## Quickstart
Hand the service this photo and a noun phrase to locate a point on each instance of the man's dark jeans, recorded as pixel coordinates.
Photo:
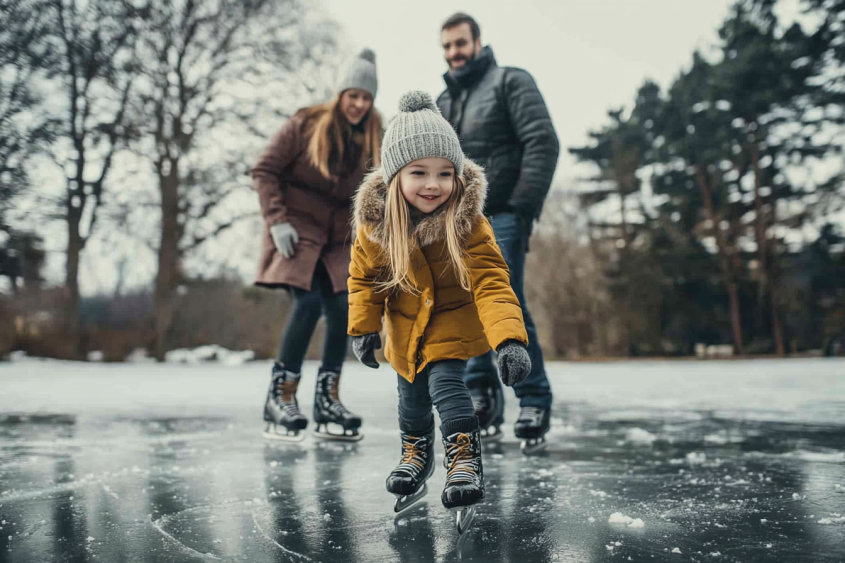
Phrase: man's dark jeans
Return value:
(512, 236)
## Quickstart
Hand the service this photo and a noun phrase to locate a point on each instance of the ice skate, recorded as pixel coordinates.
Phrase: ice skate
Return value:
(281, 411)
(328, 410)
(464, 477)
(408, 481)
(489, 405)
(531, 427)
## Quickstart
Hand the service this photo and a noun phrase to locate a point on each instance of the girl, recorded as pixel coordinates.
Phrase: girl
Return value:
(305, 180)
(425, 260)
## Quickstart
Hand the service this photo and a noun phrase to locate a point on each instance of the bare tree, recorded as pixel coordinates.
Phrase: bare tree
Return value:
(95, 67)
(24, 127)
(209, 65)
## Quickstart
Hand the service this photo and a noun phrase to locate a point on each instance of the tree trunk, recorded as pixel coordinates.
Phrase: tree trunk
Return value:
(760, 235)
(724, 262)
(777, 327)
(767, 284)
(169, 254)
(75, 244)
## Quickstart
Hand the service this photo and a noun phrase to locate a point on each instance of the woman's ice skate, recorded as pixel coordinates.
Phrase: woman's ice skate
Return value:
(281, 411)
(328, 410)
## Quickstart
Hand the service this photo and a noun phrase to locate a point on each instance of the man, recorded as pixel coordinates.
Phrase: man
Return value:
(502, 121)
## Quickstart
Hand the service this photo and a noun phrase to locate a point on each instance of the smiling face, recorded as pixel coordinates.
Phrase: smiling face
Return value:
(458, 45)
(427, 183)
(355, 104)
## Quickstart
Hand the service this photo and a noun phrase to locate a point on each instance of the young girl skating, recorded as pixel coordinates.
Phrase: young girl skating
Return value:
(425, 263)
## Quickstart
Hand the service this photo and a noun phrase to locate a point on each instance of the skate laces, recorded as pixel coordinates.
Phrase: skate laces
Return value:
(534, 415)
(462, 462)
(328, 380)
(286, 396)
(412, 454)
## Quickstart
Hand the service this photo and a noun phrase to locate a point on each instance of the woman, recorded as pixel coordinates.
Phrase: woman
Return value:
(305, 180)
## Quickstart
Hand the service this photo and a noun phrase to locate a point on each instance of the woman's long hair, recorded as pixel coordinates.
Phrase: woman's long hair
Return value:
(400, 242)
(332, 133)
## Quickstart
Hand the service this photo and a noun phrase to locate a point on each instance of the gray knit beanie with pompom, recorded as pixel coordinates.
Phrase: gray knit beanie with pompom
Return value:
(361, 74)
(419, 131)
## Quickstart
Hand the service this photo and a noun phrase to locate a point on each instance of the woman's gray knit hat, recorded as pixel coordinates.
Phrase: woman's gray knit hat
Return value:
(419, 131)
(361, 74)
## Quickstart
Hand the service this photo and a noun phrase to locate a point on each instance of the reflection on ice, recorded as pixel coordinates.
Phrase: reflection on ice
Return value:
(164, 474)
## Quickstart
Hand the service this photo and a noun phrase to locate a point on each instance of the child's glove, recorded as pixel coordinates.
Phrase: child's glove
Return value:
(364, 348)
(514, 362)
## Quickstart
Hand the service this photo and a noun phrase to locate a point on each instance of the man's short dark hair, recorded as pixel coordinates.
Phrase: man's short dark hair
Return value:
(462, 18)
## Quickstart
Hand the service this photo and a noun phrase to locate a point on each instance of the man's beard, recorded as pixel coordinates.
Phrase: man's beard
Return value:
(460, 58)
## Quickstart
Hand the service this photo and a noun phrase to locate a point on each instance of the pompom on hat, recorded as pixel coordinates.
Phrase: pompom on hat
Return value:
(418, 131)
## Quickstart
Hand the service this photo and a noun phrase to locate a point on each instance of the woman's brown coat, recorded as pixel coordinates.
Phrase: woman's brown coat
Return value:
(291, 189)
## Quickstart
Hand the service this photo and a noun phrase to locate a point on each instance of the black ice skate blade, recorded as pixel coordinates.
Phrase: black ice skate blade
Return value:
(291, 436)
(347, 436)
(406, 503)
(464, 517)
(533, 446)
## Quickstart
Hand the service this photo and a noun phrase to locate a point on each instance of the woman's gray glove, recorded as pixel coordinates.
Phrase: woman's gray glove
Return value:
(285, 238)
(514, 362)
(364, 348)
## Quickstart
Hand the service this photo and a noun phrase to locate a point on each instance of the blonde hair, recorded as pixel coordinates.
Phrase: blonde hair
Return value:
(332, 132)
(401, 243)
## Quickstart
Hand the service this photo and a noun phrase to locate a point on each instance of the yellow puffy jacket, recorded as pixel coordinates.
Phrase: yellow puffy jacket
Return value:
(444, 321)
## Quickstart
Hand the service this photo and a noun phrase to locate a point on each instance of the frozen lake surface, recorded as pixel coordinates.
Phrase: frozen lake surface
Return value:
(648, 461)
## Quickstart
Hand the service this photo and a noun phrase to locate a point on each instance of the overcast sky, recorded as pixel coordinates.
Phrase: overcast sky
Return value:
(587, 55)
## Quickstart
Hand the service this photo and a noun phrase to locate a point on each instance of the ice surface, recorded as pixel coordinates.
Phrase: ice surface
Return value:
(168, 460)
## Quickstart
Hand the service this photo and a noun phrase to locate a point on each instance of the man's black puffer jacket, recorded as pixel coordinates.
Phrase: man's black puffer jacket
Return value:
(503, 124)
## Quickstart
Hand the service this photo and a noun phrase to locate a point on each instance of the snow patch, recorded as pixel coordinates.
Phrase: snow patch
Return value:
(96, 356)
(627, 521)
(210, 353)
(139, 356)
(830, 521)
(696, 458)
(619, 518)
(722, 438)
(640, 436)
(821, 457)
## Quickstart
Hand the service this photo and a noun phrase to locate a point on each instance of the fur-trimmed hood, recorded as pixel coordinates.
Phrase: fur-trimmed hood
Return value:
(369, 203)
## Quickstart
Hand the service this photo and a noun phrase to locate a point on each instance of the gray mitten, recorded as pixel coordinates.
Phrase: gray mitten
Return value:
(285, 238)
(514, 362)
(364, 348)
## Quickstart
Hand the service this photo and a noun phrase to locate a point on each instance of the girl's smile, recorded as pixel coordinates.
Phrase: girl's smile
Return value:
(427, 183)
